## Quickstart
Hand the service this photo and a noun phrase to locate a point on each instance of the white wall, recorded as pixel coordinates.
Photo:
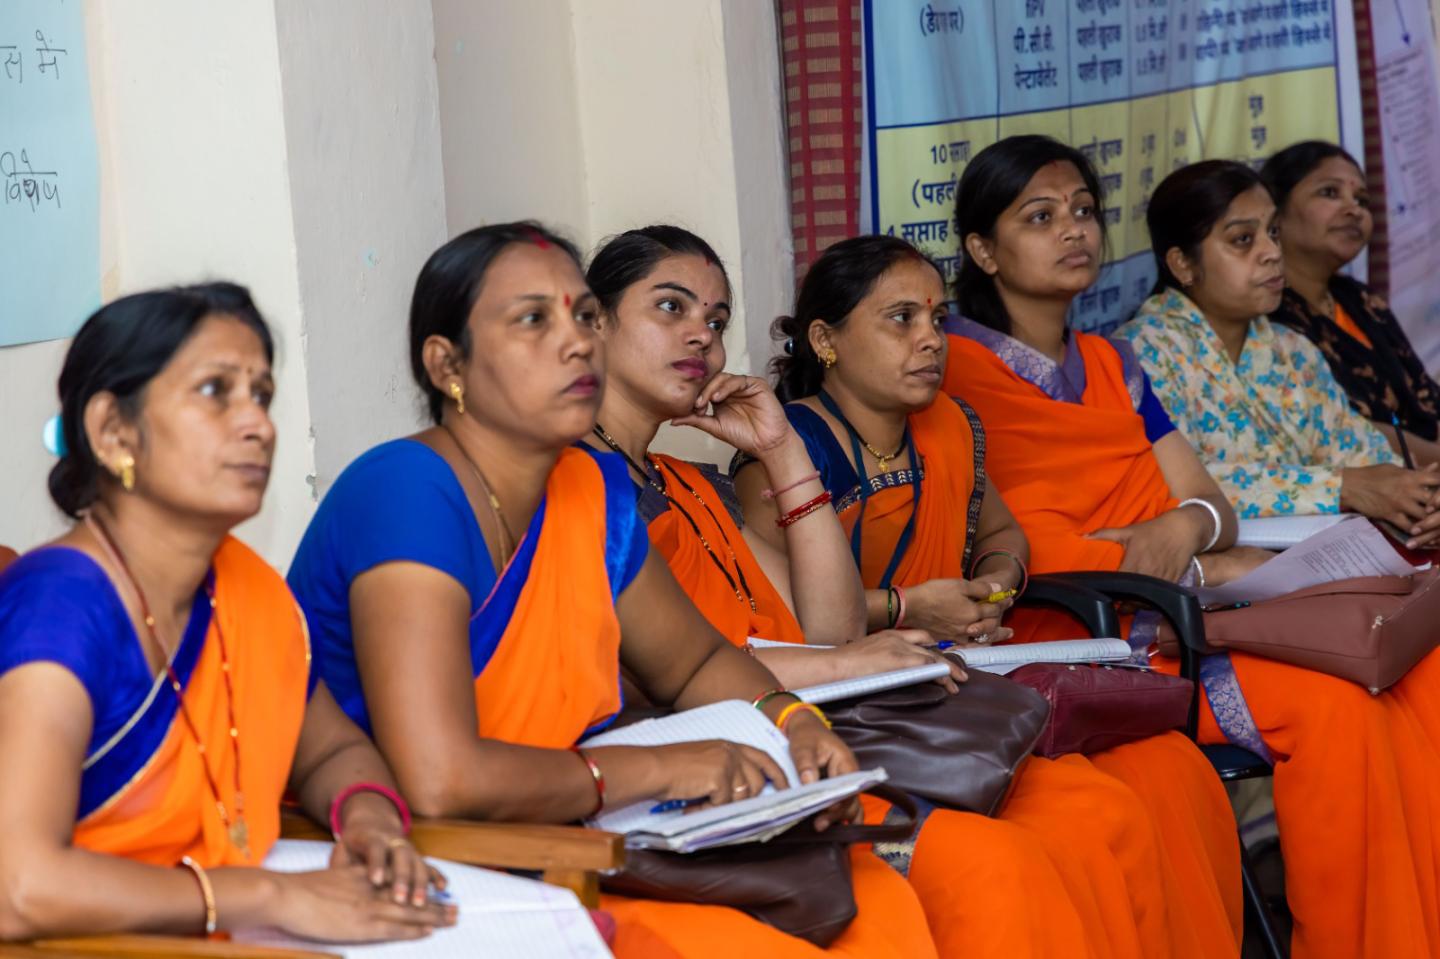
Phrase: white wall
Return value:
(367, 196)
(297, 148)
(509, 107)
(622, 113)
(193, 149)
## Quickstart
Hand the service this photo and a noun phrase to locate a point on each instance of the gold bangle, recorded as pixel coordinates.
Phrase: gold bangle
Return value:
(791, 709)
(206, 890)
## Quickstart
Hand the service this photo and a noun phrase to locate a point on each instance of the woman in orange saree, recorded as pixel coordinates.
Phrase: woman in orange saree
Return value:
(864, 366)
(1353, 776)
(147, 633)
(474, 591)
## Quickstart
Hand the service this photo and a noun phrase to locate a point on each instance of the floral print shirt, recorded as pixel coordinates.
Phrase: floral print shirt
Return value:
(1274, 429)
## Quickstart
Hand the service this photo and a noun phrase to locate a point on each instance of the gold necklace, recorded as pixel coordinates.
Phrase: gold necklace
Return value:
(881, 459)
(238, 830)
(507, 538)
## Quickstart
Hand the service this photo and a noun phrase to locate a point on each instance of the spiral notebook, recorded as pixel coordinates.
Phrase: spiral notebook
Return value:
(1008, 657)
(501, 916)
(873, 683)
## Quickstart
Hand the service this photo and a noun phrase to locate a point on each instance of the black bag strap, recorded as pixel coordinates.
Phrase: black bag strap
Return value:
(977, 493)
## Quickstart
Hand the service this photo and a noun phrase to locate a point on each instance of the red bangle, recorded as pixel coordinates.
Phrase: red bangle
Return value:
(772, 493)
(899, 601)
(596, 775)
(337, 805)
(803, 510)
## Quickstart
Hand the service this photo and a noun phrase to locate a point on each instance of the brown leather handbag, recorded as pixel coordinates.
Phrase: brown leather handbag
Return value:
(1369, 630)
(960, 751)
(799, 882)
(1095, 706)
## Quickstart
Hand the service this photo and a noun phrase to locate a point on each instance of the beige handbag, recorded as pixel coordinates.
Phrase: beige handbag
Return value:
(1369, 630)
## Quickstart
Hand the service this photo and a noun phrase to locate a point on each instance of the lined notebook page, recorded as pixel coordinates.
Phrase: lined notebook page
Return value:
(758, 643)
(1282, 532)
(874, 683)
(501, 916)
(1010, 656)
(731, 719)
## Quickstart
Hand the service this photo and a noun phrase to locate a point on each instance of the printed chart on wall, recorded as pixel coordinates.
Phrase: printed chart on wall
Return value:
(49, 173)
(1140, 86)
(1405, 74)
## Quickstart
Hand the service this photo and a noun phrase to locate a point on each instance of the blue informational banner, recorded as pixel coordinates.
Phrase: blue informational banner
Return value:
(1141, 86)
(49, 173)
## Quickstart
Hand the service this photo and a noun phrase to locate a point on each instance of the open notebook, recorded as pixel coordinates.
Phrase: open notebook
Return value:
(501, 916)
(749, 820)
(1008, 657)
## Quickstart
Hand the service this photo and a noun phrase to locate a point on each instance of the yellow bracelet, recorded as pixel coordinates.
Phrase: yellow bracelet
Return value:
(207, 891)
(790, 710)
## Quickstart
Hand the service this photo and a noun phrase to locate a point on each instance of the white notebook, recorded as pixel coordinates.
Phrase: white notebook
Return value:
(1282, 532)
(874, 683)
(1008, 657)
(501, 916)
(749, 820)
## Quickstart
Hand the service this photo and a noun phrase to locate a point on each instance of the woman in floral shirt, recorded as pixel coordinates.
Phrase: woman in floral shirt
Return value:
(1257, 400)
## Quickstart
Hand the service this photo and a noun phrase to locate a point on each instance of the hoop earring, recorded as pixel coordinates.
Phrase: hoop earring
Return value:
(457, 391)
(830, 359)
(126, 473)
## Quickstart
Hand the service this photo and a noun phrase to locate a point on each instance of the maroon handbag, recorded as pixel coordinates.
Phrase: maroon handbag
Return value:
(1094, 706)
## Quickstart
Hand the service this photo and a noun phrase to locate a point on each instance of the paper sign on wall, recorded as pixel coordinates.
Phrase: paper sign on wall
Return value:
(49, 173)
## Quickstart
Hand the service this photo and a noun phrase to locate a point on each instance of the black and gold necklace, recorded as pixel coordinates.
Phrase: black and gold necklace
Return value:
(737, 581)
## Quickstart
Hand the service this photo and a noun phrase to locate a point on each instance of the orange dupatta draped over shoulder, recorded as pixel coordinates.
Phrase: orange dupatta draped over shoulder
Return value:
(1355, 777)
(163, 809)
(695, 571)
(551, 676)
(946, 443)
(1113, 878)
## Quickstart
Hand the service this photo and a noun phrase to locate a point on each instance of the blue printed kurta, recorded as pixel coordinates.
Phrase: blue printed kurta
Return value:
(1274, 429)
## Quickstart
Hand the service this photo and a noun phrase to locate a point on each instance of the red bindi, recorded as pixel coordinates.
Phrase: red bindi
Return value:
(927, 301)
(567, 299)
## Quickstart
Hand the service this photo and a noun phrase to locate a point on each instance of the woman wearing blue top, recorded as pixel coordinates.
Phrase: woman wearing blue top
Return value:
(474, 590)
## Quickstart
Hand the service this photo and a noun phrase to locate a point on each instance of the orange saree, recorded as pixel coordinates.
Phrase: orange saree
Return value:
(1355, 774)
(551, 617)
(1093, 852)
(144, 794)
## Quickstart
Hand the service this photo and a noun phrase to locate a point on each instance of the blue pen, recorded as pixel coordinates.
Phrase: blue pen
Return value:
(1400, 437)
(670, 805)
(944, 644)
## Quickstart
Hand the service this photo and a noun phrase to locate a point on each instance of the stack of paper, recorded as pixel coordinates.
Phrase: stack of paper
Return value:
(501, 916)
(749, 820)
(1009, 657)
(1348, 549)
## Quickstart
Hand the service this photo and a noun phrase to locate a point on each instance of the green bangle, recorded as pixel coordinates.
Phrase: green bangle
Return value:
(765, 697)
(890, 607)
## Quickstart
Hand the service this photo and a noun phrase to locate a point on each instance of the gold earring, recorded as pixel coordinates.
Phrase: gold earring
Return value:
(457, 391)
(830, 359)
(126, 472)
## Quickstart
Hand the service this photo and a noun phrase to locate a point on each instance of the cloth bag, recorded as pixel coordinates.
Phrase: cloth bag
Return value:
(799, 882)
(1095, 706)
(960, 751)
(1369, 630)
